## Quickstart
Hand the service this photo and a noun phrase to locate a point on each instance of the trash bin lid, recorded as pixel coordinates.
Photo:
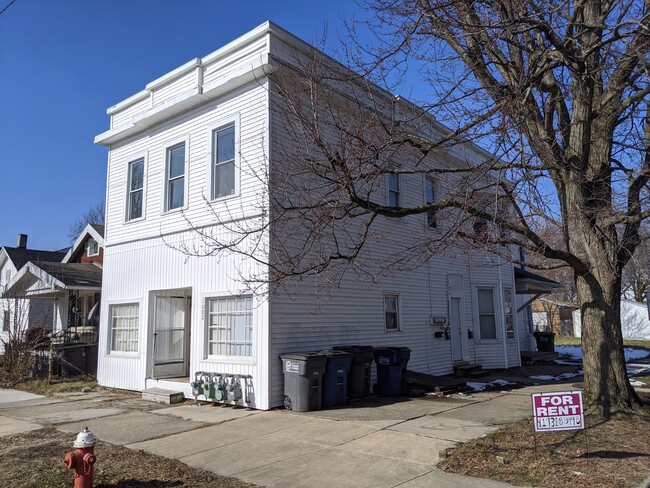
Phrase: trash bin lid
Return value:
(302, 356)
(336, 352)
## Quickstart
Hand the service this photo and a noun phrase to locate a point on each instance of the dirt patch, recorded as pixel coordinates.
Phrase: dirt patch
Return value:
(117, 467)
(613, 454)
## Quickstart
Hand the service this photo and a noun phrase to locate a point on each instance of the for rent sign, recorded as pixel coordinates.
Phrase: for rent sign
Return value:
(558, 411)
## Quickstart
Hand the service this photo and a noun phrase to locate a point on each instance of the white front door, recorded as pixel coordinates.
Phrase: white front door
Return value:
(170, 336)
(456, 328)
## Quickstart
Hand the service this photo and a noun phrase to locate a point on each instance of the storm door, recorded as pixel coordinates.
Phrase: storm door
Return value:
(171, 335)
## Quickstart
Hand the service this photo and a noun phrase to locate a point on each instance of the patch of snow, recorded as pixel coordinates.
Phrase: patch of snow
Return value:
(563, 376)
(575, 352)
(637, 383)
(569, 363)
(478, 386)
(636, 369)
(634, 353)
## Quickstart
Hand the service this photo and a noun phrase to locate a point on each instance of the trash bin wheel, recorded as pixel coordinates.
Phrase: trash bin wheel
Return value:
(287, 403)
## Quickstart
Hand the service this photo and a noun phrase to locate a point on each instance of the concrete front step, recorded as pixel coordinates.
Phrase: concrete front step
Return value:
(160, 395)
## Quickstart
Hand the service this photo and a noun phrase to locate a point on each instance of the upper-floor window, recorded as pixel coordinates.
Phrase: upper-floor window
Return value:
(487, 318)
(175, 177)
(135, 201)
(223, 162)
(93, 247)
(393, 189)
(429, 198)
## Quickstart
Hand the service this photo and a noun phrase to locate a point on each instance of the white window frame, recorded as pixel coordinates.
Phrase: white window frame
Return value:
(206, 299)
(93, 248)
(223, 123)
(144, 156)
(430, 182)
(185, 140)
(109, 346)
(495, 312)
(398, 314)
(510, 333)
(389, 191)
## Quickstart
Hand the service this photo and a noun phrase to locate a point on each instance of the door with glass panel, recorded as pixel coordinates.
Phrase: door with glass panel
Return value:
(171, 335)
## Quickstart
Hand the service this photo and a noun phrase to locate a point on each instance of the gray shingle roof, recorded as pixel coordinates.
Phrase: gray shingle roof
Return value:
(74, 275)
(20, 256)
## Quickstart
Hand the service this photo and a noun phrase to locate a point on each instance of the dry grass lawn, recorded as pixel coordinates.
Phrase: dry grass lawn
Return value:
(117, 467)
(613, 454)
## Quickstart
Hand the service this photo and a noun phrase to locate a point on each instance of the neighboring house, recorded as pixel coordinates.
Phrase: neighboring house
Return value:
(16, 313)
(635, 324)
(69, 287)
(556, 316)
(192, 145)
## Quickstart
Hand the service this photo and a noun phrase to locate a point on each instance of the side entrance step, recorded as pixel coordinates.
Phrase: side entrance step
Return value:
(531, 357)
(160, 395)
(465, 370)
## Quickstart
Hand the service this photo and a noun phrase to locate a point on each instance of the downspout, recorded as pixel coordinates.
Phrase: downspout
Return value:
(503, 315)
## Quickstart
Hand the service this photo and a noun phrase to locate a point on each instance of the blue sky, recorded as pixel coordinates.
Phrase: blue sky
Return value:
(64, 62)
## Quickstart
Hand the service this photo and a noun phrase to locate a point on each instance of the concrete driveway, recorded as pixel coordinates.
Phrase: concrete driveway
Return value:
(375, 442)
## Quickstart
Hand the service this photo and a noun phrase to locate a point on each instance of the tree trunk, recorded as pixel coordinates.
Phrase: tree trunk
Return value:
(606, 388)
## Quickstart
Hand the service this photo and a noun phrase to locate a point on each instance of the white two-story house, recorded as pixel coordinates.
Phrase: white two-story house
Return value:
(191, 159)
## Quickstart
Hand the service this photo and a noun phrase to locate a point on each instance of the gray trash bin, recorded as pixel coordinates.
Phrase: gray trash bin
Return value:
(303, 380)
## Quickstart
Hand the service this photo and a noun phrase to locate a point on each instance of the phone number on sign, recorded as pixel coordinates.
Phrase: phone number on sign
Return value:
(571, 422)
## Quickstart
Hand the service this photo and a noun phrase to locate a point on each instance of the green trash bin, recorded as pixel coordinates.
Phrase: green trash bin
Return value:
(303, 380)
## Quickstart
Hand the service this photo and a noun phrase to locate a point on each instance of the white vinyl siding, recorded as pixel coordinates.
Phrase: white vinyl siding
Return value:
(486, 313)
(135, 198)
(230, 326)
(124, 327)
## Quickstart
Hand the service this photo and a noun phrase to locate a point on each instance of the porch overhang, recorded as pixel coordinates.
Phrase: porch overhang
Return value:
(52, 280)
(527, 283)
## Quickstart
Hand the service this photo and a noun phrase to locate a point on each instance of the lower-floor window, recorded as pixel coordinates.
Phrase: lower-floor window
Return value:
(230, 326)
(6, 321)
(391, 312)
(486, 313)
(124, 327)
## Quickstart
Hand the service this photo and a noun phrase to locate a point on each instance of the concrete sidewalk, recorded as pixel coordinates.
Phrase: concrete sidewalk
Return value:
(376, 442)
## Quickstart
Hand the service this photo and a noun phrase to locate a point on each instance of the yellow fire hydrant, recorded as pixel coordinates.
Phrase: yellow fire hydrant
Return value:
(82, 459)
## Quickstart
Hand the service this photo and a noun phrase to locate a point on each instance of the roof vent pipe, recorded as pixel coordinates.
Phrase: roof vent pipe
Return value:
(22, 241)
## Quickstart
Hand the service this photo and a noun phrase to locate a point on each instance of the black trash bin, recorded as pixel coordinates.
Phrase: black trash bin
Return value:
(545, 341)
(335, 380)
(303, 380)
(391, 370)
(360, 370)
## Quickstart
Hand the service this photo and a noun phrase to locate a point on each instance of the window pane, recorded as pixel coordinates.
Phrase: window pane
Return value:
(488, 327)
(225, 144)
(391, 312)
(485, 301)
(224, 180)
(124, 327)
(176, 193)
(393, 182)
(176, 162)
(135, 205)
(137, 174)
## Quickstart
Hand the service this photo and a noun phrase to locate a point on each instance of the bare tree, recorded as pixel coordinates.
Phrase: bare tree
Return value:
(94, 215)
(558, 91)
(636, 273)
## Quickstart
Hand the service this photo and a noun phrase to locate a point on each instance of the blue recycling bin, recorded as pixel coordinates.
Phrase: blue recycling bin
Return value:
(391, 370)
(335, 379)
(360, 370)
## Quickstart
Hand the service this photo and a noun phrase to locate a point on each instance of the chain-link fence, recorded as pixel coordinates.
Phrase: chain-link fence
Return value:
(65, 360)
